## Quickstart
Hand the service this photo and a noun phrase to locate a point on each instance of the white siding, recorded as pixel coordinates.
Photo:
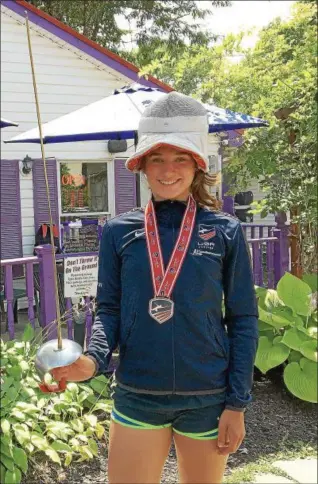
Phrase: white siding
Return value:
(258, 195)
(67, 79)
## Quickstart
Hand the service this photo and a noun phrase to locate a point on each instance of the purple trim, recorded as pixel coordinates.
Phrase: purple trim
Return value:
(47, 290)
(8, 284)
(14, 164)
(30, 292)
(69, 317)
(74, 254)
(79, 44)
(124, 199)
(20, 260)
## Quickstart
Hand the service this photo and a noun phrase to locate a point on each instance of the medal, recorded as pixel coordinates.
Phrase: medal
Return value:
(161, 307)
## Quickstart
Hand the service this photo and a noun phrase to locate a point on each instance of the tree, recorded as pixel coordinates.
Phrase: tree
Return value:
(276, 81)
(154, 20)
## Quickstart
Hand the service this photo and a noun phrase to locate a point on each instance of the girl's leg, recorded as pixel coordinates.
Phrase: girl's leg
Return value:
(198, 460)
(137, 456)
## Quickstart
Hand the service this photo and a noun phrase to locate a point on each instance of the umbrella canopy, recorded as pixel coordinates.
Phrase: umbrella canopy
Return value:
(5, 122)
(117, 117)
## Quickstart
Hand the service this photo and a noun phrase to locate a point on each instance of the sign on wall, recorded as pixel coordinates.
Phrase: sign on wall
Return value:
(80, 276)
(81, 239)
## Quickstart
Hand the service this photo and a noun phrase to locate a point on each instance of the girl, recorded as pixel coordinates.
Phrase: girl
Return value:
(186, 365)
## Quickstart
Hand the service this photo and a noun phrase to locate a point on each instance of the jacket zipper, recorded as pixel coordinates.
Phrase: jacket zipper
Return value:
(172, 328)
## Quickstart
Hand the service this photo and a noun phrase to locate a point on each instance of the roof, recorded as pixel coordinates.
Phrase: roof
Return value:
(69, 35)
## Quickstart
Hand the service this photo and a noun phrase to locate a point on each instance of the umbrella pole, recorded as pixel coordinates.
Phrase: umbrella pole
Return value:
(58, 315)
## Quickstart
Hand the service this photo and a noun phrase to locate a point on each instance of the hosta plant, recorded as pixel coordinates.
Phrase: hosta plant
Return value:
(288, 333)
(64, 426)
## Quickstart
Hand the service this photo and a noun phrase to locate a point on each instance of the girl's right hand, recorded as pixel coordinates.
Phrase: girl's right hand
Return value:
(81, 370)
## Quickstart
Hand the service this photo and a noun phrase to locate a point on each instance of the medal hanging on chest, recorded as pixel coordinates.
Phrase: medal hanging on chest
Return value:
(161, 307)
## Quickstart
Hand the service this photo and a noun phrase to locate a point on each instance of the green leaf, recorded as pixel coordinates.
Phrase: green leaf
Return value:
(309, 350)
(294, 356)
(39, 441)
(22, 433)
(295, 294)
(7, 462)
(20, 459)
(24, 366)
(77, 425)
(68, 459)
(99, 387)
(301, 380)
(104, 405)
(270, 353)
(5, 426)
(27, 408)
(86, 453)
(73, 388)
(60, 446)
(13, 477)
(53, 455)
(19, 415)
(262, 326)
(15, 371)
(99, 430)
(312, 281)
(60, 429)
(6, 449)
(91, 419)
(82, 437)
(93, 447)
(8, 381)
(28, 333)
(2, 473)
(29, 447)
(293, 338)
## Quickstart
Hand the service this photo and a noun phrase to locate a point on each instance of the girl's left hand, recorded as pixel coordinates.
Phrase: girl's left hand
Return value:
(231, 431)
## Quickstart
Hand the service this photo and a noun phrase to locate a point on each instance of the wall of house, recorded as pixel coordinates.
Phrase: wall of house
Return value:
(67, 79)
(258, 195)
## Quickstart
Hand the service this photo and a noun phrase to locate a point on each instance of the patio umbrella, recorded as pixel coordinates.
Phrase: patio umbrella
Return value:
(117, 117)
(5, 122)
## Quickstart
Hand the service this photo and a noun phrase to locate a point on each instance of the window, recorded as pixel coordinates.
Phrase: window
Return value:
(84, 205)
(84, 188)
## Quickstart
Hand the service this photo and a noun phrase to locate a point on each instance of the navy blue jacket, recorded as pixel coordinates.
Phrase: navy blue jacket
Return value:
(201, 349)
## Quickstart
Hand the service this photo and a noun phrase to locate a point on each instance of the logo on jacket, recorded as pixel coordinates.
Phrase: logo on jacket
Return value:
(206, 232)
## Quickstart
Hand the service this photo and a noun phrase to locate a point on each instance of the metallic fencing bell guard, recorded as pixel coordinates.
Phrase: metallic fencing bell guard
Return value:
(49, 356)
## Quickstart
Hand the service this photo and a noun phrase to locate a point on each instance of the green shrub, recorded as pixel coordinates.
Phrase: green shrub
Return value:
(288, 333)
(63, 426)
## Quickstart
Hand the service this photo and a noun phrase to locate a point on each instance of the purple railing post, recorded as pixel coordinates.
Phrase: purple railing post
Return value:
(30, 292)
(47, 290)
(281, 248)
(8, 284)
(270, 264)
(69, 317)
(257, 263)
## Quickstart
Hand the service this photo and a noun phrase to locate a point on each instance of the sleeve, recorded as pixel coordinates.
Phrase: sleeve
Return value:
(241, 319)
(105, 329)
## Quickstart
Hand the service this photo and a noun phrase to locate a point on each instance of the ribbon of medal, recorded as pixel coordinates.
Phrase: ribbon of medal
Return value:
(161, 307)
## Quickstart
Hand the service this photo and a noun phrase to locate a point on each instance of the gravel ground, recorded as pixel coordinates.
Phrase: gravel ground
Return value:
(274, 420)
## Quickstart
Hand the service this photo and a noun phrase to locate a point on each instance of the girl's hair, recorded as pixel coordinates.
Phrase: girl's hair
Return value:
(200, 190)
